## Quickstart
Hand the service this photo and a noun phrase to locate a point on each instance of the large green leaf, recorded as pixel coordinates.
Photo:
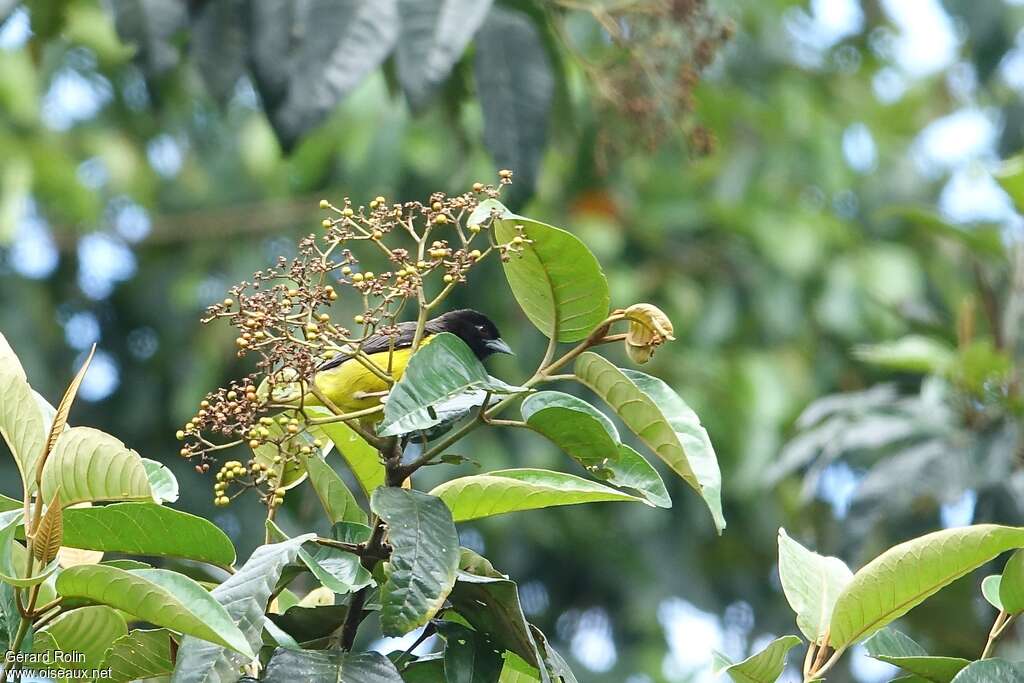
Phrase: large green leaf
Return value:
(90, 465)
(424, 557)
(517, 670)
(575, 426)
(12, 555)
(244, 596)
(218, 45)
(991, 671)
(591, 439)
(362, 458)
(763, 667)
(491, 605)
(469, 656)
(501, 491)
(7, 504)
(87, 630)
(161, 597)
(1011, 587)
(307, 56)
(334, 495)
(22, 423)
(139, 654)
(432, 37)
(438, 371)
(147, 529)
(288, 666)
(515, 86)
(556, 280)
(904, 576)
(663, 422)
(812, 584)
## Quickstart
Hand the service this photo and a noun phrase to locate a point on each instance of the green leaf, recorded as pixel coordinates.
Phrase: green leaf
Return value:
(87, 630)
(218, 45)
(147, 529)
(812, 584)
(288, 666)
(161, 480)
(311, 623)
(591, 439)
(575, 426)
(515, 86)
(556, 280)
(991, 671)
(990, 587)
(469, 656)
(517, 670)
(491, 605)
(889, 642)
(12, 555)
(432, 37)
(1010, 177)
(912, 353)
(334, 495)
(663, 422)
(139, 654)
(22, 423)
(1011, 587)
(764, 667)
(893, 647)
(501, 491)
(89, 465)
(362, 458)
(8, 503)
(424, 557)
(161, 597)
(340, 571)
(555, 664)
(307, 57)
(438, 371)
(632, 471)
(904, 576)
(244, 596)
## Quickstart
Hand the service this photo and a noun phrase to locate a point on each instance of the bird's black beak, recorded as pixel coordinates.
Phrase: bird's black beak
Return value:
(498, 346)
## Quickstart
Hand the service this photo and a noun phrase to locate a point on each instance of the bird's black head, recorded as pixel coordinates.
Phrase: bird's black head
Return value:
(476, 329)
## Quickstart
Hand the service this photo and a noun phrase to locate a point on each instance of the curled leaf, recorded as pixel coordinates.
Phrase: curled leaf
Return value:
(649, 328)
(48, 537)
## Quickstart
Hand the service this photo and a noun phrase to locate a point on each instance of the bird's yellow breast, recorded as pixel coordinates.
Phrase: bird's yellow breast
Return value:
(348, 384)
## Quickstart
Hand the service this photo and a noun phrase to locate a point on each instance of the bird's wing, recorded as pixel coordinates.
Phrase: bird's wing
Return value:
(377, 343)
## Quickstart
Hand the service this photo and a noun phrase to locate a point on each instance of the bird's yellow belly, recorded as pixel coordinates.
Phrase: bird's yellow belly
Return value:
(352, 386)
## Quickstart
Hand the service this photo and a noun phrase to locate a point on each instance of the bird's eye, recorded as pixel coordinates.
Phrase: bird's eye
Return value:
(480, 328)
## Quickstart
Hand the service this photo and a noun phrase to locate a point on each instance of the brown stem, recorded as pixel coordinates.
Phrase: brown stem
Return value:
(1002, 620)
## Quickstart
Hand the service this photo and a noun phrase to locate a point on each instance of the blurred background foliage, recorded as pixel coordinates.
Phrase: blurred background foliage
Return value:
(806, 188)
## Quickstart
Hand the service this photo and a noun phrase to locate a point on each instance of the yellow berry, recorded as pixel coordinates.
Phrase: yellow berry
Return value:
(326, 222)
(359, 319)
(358, 277)
(379, 199)
(179, 435)
(448, 279)
(478, 187)
(324, 204)
(440, 219)
(345, 270)
(475, 254)
(473, 228)
(347, 213)
(436, 206)
(254, 444)
(229, 302)
(517, 240)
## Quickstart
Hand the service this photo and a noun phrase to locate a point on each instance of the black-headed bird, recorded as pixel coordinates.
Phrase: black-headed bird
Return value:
(351, 386)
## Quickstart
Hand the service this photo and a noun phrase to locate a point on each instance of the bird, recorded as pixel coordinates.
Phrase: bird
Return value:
(351, 386)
